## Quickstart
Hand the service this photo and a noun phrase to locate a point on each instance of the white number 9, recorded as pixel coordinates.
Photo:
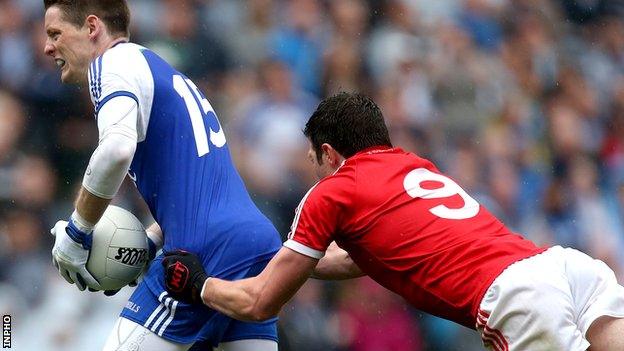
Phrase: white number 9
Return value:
(412, 182)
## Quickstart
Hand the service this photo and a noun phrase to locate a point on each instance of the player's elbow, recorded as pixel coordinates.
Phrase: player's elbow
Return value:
(260, 309)
(122, 154)
(261, 313)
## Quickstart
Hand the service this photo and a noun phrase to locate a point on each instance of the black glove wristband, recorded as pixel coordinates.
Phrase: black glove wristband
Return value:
(184, 276)
(198, 284)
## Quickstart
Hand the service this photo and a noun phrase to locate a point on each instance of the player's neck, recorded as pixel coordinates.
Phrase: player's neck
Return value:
(109, 43)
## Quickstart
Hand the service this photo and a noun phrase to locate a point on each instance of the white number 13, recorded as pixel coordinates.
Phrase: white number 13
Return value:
(184, 87)
(412, 184)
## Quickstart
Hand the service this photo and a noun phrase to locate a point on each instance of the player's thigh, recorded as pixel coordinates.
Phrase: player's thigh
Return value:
(248, 345)
(530, 307)
(597, 295)
(130, 336)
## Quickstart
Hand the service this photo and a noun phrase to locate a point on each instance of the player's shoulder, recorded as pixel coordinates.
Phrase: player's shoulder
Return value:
(337, 187)
(120, 68)
(122, 58)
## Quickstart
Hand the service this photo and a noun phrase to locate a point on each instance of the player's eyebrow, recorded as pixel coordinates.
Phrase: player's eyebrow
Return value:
(51, 31)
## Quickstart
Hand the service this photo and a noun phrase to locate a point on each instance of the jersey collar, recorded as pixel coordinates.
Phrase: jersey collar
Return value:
(119, 42)
(375, 150)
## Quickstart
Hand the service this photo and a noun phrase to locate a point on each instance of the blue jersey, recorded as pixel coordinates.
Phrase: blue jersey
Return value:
(182, 165)
(183, 169)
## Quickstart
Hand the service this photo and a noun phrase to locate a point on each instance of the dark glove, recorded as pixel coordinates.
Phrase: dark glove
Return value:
(184, 276)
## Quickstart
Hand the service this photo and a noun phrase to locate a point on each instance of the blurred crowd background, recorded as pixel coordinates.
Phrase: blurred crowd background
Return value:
(521, 101)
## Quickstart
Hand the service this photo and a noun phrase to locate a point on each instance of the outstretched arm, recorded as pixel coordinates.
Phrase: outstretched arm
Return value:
(336, 265)
(252, 299)
(260, 297)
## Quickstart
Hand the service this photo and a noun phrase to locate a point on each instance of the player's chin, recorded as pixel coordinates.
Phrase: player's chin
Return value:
(65, 76)
(68, 77)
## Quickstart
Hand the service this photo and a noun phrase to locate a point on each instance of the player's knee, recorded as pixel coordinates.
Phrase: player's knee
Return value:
(606, 333)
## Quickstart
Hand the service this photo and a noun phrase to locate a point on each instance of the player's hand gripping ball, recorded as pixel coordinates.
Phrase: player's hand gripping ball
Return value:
(114, 255)
(71, 253)
(184, 276)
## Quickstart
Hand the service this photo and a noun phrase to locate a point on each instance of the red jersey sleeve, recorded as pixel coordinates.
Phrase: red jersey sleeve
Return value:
(317, 218)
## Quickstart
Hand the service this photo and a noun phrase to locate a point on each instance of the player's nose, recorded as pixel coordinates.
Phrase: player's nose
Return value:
(48, 49)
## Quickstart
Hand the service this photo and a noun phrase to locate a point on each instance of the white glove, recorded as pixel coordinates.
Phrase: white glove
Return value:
(70, 254)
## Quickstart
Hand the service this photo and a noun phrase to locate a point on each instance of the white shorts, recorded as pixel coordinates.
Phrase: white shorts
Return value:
(548, 301)
(128, 335)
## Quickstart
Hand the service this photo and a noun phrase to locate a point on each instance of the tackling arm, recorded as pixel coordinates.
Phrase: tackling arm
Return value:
(261, 297)
(336, 265)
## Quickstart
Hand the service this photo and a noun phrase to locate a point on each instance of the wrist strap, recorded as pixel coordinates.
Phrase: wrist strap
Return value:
(79, 230)
(201, 294)
(78, 236)
(81, 224)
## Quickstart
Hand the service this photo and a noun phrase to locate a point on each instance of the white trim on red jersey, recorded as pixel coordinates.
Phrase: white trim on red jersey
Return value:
(304, 250)
(295, 223)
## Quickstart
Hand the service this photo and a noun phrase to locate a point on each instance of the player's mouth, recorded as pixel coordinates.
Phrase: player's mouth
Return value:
(60, 63)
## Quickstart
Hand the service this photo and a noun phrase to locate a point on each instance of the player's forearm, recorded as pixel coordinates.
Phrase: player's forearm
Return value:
(118, 137)
(261, 297)
(109, 165)
(110, 161)
(237, 299)
(103, 178)
(90, 207)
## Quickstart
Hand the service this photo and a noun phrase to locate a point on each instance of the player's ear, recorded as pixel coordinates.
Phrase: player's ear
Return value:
(93, 25)
(333, 157)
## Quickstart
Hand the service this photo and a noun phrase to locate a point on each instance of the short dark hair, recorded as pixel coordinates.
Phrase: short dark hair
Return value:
(114, 13)
(349, 122)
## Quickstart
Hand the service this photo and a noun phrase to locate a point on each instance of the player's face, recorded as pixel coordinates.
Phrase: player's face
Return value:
(69, 45)
(322, 168)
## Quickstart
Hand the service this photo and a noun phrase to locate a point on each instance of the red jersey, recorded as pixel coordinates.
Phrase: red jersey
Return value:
(411, 229)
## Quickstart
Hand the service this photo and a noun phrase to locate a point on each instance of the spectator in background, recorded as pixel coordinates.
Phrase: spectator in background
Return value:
(299, 43)
(12, 124)
(612, 150)
(343, 61)
(34, 183)
(22, 251)
(310, 326)
(187, 45)
(398, 33)
(599, 227)
(480, 19)
(16, 54)
(270, 142)
(364, 328)
(250, 26)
